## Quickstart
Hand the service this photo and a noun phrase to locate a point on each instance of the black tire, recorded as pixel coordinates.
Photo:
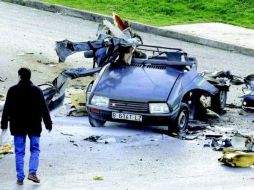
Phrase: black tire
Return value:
(95, 122)
(218, 101)
(181, 122)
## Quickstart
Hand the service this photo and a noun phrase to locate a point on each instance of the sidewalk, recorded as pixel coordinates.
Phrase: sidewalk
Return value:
(220, 32)
(216, 35)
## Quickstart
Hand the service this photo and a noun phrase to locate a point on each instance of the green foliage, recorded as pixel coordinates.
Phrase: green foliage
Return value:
(169, 12)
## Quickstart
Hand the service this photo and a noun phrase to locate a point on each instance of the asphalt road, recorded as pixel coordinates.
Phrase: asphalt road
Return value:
(141, 158)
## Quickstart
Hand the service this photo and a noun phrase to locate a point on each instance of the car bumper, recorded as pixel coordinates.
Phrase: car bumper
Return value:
(105, 114)
(248, 102)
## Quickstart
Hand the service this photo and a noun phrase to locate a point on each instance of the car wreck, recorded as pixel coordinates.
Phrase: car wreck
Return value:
(143, 84)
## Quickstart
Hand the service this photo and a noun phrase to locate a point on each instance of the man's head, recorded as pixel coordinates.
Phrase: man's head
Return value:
(24, 74)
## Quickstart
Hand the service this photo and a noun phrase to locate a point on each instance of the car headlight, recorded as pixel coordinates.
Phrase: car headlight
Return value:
(100, 101)
(158, 108)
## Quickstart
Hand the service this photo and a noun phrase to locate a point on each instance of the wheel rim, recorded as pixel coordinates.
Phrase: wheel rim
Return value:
(222, 98)
(182, 120)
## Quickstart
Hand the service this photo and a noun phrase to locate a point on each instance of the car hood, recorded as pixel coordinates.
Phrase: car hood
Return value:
(137, 83)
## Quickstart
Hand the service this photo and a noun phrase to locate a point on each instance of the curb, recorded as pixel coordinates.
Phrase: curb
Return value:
(136, 26)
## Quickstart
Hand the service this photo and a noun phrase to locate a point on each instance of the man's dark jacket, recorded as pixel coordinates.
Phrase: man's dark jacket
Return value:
(24, 108)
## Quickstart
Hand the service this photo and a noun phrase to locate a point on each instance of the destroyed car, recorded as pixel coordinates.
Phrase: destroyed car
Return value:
(143, 84)
(162, 89)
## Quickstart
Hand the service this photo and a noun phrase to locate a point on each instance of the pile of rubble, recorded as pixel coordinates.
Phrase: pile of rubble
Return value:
(237, 149)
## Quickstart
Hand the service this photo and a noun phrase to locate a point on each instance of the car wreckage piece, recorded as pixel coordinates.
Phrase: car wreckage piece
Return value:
(103, 50)
(237, 158)
(136, 87)
(248, 97)
(226, 79)
(54, 92)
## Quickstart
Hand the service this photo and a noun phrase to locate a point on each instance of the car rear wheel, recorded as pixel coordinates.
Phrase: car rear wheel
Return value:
(218, 101)
(181, 122)
(95, 122)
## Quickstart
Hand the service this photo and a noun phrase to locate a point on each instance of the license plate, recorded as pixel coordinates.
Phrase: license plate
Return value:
(127, 116)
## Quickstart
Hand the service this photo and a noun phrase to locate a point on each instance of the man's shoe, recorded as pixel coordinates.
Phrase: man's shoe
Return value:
(33, 178)
(20, 182)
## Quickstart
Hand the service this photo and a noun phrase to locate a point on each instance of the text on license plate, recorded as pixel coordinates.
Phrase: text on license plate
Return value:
(126, 116)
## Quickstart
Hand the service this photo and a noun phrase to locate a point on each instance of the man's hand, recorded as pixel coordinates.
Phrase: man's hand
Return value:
(49, 128)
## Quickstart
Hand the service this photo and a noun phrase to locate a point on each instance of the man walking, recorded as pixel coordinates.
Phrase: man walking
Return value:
(24, 108)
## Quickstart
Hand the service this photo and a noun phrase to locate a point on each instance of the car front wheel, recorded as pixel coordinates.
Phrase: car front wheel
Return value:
(218, 101)
(95, 122)
(181, 122)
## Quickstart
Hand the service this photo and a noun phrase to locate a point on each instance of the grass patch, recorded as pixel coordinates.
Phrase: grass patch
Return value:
(171, 12)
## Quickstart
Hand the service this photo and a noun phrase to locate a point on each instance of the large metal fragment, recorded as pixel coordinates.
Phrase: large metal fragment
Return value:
(237, 158)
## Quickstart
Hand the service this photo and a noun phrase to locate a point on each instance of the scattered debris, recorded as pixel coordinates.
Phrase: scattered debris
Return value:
(67, 134)
(93, 138)
(98, 178)
(244, 142)
(100, 139)
(50, 63)
(27, 53)
(206, 145)
(6, 149)
(249, 143)
(228, 137)
(197, 125)
(219, 144)
(3, 79)
(211, 135)
(187, 135)
(107, 140)
(75, 144)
